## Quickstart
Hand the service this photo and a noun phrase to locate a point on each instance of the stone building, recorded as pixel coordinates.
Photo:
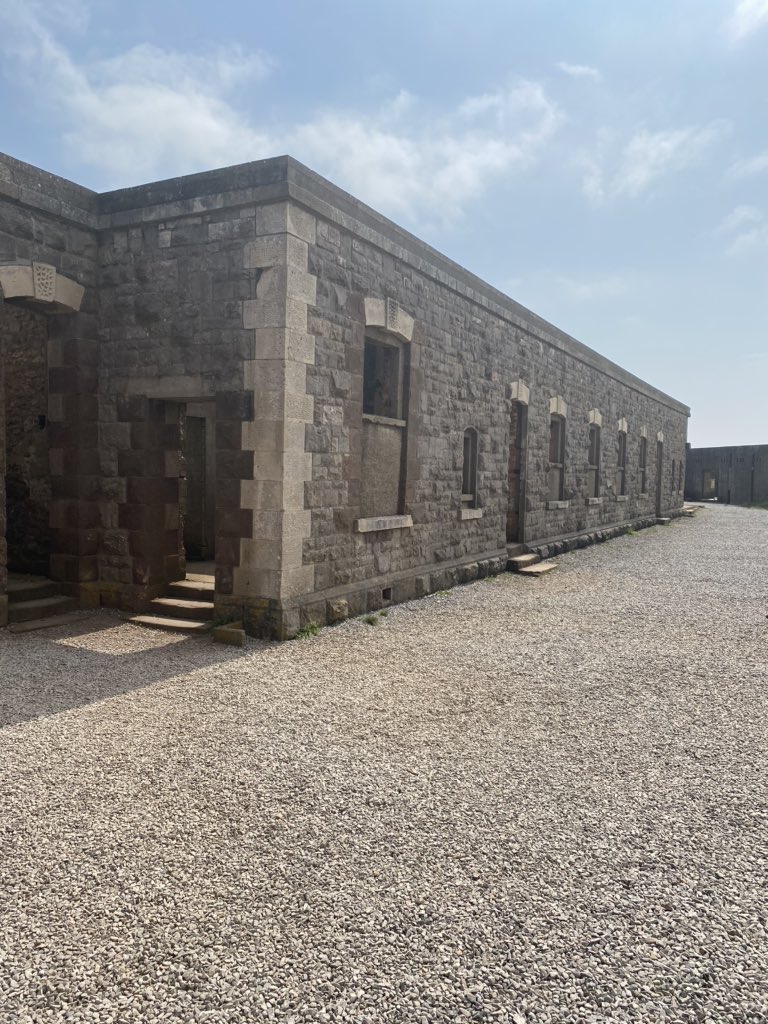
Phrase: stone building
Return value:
(736, 475)
(250, 366)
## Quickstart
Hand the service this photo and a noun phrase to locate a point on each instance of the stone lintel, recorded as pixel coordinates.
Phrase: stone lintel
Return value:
(558, 406)
(41, 282)
(390, 316)
(519, 392)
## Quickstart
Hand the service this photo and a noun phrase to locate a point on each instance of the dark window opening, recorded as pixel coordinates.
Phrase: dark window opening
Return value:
(643, 463)
(469, 469)
(556, 458)
(621, 468)
(382, 380)
(594, 461)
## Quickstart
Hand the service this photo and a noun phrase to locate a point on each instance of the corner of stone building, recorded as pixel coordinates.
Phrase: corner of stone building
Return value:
(269, 570)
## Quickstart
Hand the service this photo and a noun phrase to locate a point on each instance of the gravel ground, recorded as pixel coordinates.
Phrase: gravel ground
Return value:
(522, 801)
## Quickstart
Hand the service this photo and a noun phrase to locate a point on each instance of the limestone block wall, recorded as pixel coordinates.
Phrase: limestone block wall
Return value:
(52, 222)
(472, 352)
(204, 295)
(173, 287)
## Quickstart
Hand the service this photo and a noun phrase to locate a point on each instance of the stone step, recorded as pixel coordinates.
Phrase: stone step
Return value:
(40, 608)
(30, 588)
(192, 590)
(662, 520)
(169, 624)
(68, 619)
(200, 577)
(520, 562)
(541, 569)
(182, 608)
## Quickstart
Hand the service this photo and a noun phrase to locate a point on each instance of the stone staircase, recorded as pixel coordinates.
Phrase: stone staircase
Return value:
(529, 565)
(35, 602)
(187, 607)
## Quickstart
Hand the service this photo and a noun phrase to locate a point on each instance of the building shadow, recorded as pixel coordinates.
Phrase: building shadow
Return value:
(64, 668)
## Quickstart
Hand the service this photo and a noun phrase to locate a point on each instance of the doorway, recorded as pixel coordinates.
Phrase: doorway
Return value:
(27, 474)
(199, 496)
(709, 485)
(518, 434)
(659, 476)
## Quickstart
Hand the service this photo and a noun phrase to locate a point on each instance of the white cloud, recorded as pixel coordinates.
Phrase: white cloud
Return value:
(578, 70)
(748, 17)
(739, 217)
(412, 162)
(151, 112)
(745, 228)
(629, 170)
(757, 164)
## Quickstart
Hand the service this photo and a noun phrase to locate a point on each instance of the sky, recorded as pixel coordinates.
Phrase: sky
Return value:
(603, 162)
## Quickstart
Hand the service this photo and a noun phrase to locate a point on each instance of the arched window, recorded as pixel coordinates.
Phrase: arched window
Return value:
(594, 461)
(556, 457)
(469, 470)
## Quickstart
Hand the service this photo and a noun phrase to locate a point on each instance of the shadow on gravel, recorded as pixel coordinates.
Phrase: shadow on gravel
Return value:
(61, 669)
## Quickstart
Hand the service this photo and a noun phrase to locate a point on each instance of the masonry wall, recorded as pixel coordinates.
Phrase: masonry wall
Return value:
(465, 354)
(251, 289)
(173, 284)
(47, 219)
(739, 473)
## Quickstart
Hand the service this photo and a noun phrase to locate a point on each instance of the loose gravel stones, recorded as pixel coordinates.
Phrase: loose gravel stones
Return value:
(516, 803)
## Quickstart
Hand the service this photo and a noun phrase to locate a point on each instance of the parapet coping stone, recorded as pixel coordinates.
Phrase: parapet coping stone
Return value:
(283, 178)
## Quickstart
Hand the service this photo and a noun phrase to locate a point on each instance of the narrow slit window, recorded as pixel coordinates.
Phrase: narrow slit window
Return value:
(556, 457)
(469, 470)
(594, 461)
(621, 467)
(643, 463)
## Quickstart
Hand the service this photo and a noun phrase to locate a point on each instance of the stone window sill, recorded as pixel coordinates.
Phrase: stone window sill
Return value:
(551, 505)
(644, 494)
(594, 501)
(470, 513)
(384, 421)
(375, 524)
(622, 497)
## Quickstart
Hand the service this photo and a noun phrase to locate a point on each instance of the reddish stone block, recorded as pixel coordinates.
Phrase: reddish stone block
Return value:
(227, 551)
(234, 405)
(229, 435)
(141, 463)
(228, 493)
(152, 490)
(235, 522)
(235, 465)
